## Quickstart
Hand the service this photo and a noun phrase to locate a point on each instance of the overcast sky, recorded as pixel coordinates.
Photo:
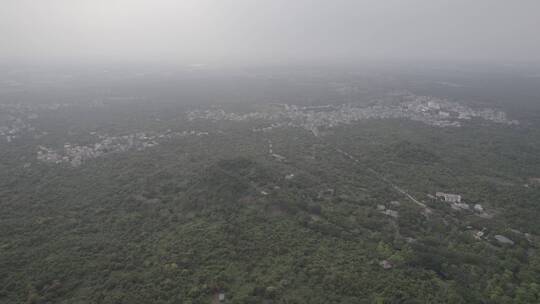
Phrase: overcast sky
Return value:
(268, 31)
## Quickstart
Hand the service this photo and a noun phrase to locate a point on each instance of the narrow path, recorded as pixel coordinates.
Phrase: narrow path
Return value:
(384, 179)
(378, 175)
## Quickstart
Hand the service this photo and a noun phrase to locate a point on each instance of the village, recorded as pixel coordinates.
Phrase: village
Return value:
(14, 122)
(17, 119)
(76, 155)
(429, 110)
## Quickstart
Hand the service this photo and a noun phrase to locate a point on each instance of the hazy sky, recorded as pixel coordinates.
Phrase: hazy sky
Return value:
(268, 31)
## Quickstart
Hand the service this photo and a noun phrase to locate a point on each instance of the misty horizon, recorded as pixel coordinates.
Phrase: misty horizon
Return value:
(248, 33)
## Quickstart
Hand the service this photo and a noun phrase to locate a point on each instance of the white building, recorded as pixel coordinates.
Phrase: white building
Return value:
(447, 197)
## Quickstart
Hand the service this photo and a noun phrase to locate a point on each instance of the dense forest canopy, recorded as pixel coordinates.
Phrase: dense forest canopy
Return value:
(269, 186)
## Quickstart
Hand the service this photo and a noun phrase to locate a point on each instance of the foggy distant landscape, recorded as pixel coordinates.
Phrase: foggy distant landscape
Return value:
(232, 152)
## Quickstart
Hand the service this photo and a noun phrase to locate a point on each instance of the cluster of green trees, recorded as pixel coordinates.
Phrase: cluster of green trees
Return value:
(183, 221)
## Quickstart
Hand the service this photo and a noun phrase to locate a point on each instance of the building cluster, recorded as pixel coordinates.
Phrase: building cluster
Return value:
(483, 235)
(16, 121)
(14, 128)
(15, 118)
(447, 197)
(457, 204)
(388, 212)
(429, 110)
(454, 200)
(438, 110)
(75, 155)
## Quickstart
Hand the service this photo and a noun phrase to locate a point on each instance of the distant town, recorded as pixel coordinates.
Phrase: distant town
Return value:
(16, 121)
(429, 110)
(76, 155)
